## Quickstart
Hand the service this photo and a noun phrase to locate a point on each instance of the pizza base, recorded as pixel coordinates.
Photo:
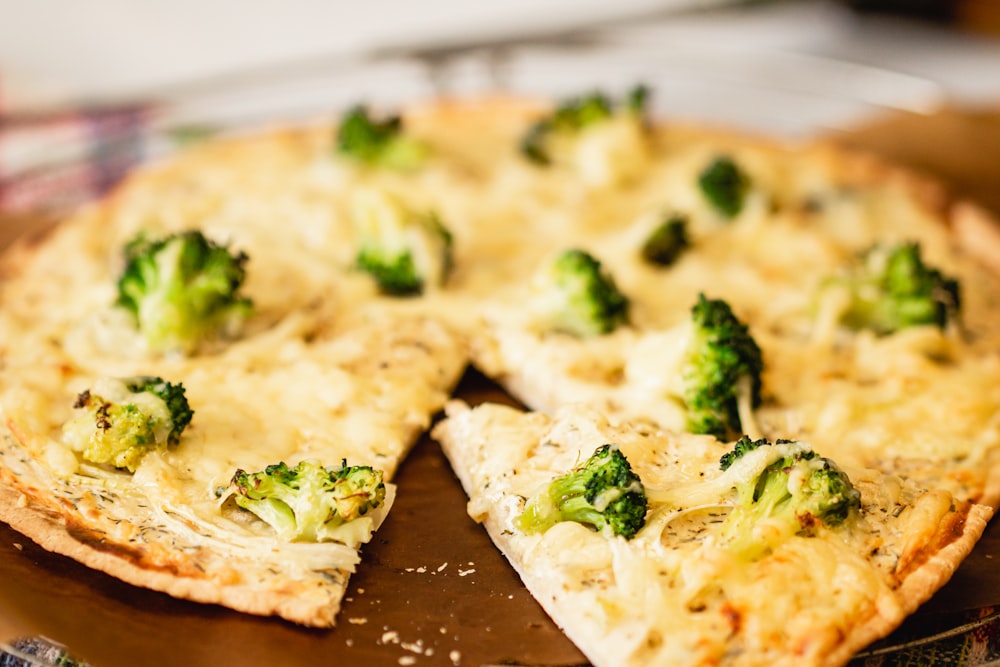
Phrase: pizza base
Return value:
(499, 211)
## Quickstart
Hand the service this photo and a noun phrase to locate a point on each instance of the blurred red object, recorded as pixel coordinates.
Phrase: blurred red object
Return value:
(54, 161)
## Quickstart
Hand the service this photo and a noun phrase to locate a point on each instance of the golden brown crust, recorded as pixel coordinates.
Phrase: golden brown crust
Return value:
(920, 583)
(60, 531)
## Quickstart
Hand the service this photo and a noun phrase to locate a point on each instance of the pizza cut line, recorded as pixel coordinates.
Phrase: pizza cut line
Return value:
(783, 355)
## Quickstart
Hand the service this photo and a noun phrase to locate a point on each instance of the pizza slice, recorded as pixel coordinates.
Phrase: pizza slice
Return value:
(649, 546)
(195, 401)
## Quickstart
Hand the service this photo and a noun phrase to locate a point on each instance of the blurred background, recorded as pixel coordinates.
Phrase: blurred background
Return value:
(88, 89)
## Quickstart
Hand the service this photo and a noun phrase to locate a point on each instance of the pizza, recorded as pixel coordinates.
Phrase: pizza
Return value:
(294, 368)
(786, 354)
(708, 577)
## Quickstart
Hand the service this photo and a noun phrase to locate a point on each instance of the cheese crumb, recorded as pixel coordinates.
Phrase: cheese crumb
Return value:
(357, 621)
(462, 573)
(442, 566)
(407, 660)
(413, 647)
(390, 637)
(456, 657)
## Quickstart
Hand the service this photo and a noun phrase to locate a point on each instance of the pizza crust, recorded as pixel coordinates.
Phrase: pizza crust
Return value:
(53, 530)
(956, 542)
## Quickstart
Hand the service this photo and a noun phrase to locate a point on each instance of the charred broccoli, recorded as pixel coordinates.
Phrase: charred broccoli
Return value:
(667, 241)
(601, 493)
(795, 493)
(308, 502)
(120, 420)
(573, 295)
(182, 290)
(724, 185)
(405, 251)
(378, 143)
(891, 288)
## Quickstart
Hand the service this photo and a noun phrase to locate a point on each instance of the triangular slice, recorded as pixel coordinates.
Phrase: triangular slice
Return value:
(710, 576)
(303, 363)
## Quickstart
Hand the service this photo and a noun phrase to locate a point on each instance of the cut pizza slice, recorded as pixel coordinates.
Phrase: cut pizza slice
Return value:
(214, 414)
(258, 505)
(651, 547)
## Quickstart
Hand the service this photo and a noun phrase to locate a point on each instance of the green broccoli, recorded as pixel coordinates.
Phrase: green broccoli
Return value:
(308, 502)
(794, 494)
(574, 296)
(724, 185)
(601, 493)
(121, 420)
(182, 290)
(405, 251)
(378, 143)
(891, 288)
(716, 370)
(573, 116)
(667, 241)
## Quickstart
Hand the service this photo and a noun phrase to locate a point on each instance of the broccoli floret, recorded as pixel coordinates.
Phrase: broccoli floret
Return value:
(405, 251)
(308, 502)
(182, 290)
(601, 493)
(573, 116)
(574, 296)
(667, 241)
(742, 446)
(718, 368)
(793, 495)
(378, 143)
(891, 288)
(120, 420)
(724, 185)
